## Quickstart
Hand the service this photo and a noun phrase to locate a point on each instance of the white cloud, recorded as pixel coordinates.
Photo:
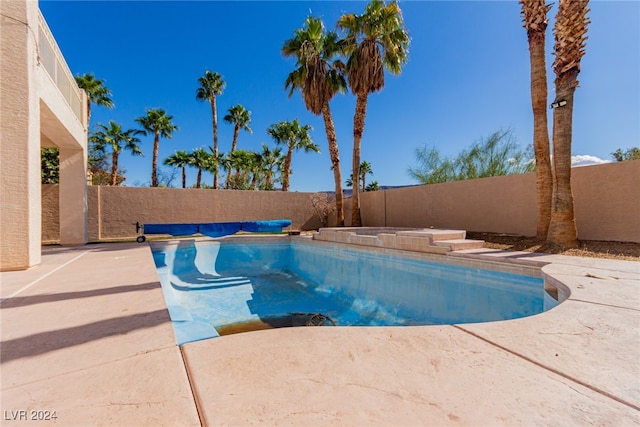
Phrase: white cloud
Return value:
(586, 160)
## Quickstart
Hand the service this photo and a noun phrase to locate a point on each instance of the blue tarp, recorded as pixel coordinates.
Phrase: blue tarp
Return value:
(217, 229)
(273, 226)
(171, 229)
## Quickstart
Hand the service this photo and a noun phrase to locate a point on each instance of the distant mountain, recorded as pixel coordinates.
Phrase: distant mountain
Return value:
(347, 191)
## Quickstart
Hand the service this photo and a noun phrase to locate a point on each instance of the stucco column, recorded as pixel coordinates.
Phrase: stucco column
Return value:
(20, 203)
(73, 196)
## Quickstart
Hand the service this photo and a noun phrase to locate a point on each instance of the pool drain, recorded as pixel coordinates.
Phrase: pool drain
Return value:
(311, 319)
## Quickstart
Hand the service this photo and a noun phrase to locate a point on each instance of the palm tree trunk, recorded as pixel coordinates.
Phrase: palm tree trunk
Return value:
(184, 177)
(236, 131)
(214, 117)
(199, 178)
(154, 163)
(114, 168)
(544, 179)
(358, 130)
(562, 229)
(267, 180)
(334, 153)
(287, 168)
(88, 111)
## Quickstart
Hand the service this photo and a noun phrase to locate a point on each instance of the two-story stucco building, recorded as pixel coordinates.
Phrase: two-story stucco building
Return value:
(40, 106)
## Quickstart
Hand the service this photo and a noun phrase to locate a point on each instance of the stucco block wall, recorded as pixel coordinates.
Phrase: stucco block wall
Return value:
(606, 203)
(502, 204)
(607, 206)
(113, 211)
(50, 213)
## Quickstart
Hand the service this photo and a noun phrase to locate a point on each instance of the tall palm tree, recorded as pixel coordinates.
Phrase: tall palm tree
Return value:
(116, 139)
(240, 118)
(375, 40)
(319, 77)
(200, 159)
(180, 159)
(534, 16)
(570, 35)
(272, 161)
(294, 137)
(97, 93)
(211, 85)
(158, 123)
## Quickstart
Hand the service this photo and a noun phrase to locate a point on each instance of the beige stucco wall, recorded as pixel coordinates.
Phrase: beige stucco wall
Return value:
(607, 206)
(501, 204)
(50, 213)
(113, 211)
(606, 201)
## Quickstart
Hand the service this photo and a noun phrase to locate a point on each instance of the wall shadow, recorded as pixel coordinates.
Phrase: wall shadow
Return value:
(18, 301)
(45, 342)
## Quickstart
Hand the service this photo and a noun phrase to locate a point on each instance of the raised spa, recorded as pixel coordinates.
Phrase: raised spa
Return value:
(216, 287)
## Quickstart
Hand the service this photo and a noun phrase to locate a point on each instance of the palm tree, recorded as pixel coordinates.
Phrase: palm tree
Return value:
(211, 85)
(294, 137)
(158, 123)
(365, 169)
(243, 162)
(570, 34)
(240, 118)
(226, 163)
(214, 166)
(375, 40)
(200, 159)
(374, 186)
(319, 77)
(97, 93)
(256, 168)
(179, 159)
(534, 14)
(272, 161)
(117, 139)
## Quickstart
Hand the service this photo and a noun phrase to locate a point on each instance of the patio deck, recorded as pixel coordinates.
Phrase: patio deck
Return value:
(86, 334)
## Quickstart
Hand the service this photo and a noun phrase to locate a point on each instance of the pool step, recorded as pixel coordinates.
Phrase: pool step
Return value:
(426, 240)
(460, 244)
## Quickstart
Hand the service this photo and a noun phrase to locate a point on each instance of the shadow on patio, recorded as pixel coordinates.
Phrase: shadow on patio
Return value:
(44, 342)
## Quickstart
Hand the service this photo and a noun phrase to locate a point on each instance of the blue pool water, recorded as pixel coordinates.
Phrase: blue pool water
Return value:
(213, 284)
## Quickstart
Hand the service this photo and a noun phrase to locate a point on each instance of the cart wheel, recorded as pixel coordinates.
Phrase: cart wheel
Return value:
(141, 239)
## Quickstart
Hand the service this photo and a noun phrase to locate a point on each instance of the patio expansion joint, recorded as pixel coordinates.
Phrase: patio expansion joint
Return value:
(603, 304)
(550, 369)
(194, 394)
(85, 368)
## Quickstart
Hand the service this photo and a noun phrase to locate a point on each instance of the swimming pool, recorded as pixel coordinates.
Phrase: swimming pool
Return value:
(212, 286)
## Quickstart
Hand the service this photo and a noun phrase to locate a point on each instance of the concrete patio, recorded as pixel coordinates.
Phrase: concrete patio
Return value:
(86, 334)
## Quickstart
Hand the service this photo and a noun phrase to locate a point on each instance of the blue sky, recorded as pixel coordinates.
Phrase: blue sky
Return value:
(467, 76)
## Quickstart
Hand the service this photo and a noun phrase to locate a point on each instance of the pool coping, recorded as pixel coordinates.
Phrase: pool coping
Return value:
(575, 364)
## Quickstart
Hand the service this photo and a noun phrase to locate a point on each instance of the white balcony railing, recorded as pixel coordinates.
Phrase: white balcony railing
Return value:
(53, 61)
